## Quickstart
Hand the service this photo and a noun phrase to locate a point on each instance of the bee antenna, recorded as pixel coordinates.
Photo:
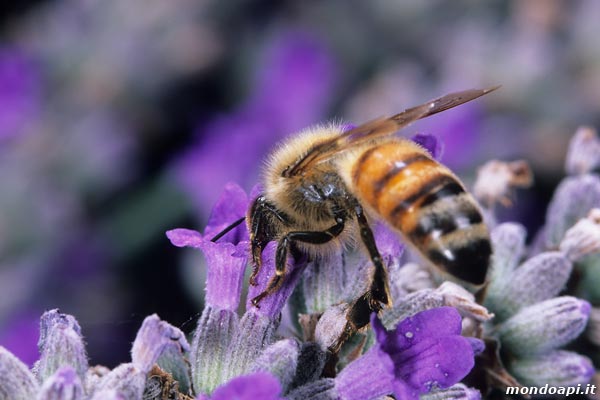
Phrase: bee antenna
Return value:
(227, 229)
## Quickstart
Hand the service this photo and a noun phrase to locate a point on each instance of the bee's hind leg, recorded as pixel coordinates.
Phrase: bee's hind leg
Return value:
(313, 237)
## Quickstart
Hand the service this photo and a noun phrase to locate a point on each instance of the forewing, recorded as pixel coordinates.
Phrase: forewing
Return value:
(382, 127)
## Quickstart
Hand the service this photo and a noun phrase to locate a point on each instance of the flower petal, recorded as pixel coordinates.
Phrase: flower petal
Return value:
(231, 206)
(259, 385)
(431, 143)
(185, 237)
(435, 362)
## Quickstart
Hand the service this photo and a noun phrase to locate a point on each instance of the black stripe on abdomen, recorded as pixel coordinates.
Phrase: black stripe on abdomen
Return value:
(394, 170)
(445, 220)
(452, 188)
(427, 188)
(468, 262)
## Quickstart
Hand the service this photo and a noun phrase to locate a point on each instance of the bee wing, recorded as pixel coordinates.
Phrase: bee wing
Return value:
(382, 127)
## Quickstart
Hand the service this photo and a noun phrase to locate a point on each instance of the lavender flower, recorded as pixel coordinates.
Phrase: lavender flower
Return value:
(531, 323)
(62, 372)
(258, 385)
(422, 353)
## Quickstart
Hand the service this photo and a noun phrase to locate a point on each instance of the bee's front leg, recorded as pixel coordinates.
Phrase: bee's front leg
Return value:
(264, 220)
(313, 237)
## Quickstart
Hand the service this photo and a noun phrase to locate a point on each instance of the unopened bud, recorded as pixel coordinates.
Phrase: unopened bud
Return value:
(583, 155)
(63, 385)
(558, 368)
(16, 381)
(61, 345)
(583, 238)
(545, 326)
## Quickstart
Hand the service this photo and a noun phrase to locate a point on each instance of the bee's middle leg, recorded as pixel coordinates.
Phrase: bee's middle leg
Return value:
(283, 247)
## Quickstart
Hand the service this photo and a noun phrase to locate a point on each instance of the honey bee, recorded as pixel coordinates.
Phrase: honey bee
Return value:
(323, 186)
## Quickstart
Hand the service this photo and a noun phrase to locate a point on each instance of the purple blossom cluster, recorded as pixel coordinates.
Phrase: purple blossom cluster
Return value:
(434, 336)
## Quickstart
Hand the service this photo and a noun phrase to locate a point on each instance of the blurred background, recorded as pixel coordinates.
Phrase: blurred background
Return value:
(120, 120)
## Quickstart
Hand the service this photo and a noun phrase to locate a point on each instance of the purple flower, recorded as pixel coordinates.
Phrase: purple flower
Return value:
(431, 143)
(292, 90)
(424, 352)
(256, 386)
(226, 261)
(227, 257)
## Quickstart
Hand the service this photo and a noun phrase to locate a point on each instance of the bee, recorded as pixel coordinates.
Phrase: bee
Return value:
(324, 186)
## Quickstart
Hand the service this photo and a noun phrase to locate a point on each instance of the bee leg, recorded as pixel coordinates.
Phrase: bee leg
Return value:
(379, 291)
(262, 217)
(313, 237)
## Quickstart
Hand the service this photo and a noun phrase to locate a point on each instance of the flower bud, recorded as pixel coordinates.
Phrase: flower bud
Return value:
(557, 368)
(94, 376)
(153, 338)
(583, 238)
(281, 360)
(456, 392)
(545, 326)
(108, 394)
(322, 389)
(410, 305)
(583, 155)
(540, 278)
(126, 380)
(63, 385)
(16, 381)
(61, 344)
(331, 326)
(508, 242)
(573, 200)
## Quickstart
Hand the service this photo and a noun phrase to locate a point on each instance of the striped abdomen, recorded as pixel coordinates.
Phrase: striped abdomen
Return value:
(427, 203)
